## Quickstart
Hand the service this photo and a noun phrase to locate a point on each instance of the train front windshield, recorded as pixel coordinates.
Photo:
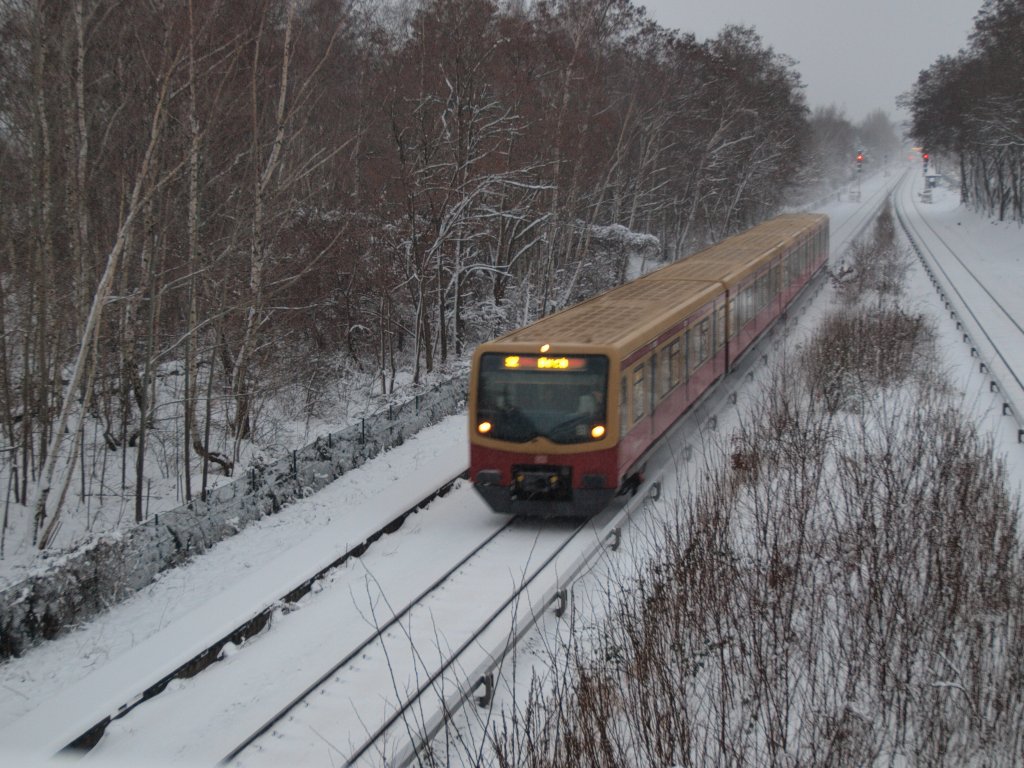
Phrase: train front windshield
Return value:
(562, 398)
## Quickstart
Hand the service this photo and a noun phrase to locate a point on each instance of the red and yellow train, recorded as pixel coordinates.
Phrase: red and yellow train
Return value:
(563, 412)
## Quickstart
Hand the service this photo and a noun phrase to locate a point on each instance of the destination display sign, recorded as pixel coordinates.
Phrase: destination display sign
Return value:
(544, 363)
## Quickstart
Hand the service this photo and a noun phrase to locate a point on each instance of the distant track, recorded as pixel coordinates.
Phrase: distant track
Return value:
(844, 231)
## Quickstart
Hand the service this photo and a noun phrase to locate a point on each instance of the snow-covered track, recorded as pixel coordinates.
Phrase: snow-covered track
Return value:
(364, 647)
(80, 737)
(371, 661)
(175, 727)
(425, 681)
(988, 326)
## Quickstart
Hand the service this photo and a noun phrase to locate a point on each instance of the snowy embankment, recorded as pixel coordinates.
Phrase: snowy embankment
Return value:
(75, 586)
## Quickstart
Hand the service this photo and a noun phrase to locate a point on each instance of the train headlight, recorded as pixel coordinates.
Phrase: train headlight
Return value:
(484, 427)
(597, 432)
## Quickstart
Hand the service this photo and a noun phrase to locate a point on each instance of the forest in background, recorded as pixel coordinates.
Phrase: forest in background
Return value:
(970, 106)
(258, 200)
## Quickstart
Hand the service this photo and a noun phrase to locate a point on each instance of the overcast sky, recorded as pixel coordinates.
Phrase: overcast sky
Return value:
(856, 54)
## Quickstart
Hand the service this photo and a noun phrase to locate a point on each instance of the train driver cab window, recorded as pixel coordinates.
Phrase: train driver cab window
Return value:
(521, 397)
(638, 393)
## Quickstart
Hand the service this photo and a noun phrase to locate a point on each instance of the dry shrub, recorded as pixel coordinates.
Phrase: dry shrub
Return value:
(875, 269)
(859, 600)
(854, 353)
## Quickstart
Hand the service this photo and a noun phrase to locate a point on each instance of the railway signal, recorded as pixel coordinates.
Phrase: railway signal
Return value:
(855, 193)
(924, 159)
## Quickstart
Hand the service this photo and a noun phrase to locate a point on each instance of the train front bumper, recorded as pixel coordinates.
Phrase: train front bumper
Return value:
(543, 491)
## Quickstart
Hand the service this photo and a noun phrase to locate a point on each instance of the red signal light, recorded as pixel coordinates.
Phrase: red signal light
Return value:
(924, 156)
(860, 157)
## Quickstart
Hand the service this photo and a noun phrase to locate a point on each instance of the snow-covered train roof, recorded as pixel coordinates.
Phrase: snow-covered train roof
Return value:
(620, 316)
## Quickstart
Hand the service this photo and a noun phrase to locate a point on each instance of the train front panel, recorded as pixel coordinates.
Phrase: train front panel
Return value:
(542, 437)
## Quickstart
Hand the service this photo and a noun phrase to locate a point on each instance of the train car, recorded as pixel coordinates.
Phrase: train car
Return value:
(563, 412)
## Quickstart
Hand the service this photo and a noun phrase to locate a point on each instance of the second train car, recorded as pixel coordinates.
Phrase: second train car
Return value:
(563, 412)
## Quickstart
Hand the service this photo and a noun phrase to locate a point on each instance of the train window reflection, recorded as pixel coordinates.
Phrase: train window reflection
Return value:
(562, 403)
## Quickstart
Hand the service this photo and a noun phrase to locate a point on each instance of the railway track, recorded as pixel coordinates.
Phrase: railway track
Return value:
(370, 664)
(280, 721)
(425, 684)
(849, 225)
(988, 326)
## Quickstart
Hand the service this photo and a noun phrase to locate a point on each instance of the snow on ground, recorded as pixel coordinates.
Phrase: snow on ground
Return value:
(234, 580)
(995, 253)
(231, 579)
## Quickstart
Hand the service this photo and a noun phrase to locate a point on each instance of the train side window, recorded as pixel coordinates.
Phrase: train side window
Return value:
(720, 328)
(654, 382)
(623, 399)
(698, 345)
(638, 393)
(691, 357)
(675, 363)
(687, 355)
(732, 316)
(705, 340)
(664, 372)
